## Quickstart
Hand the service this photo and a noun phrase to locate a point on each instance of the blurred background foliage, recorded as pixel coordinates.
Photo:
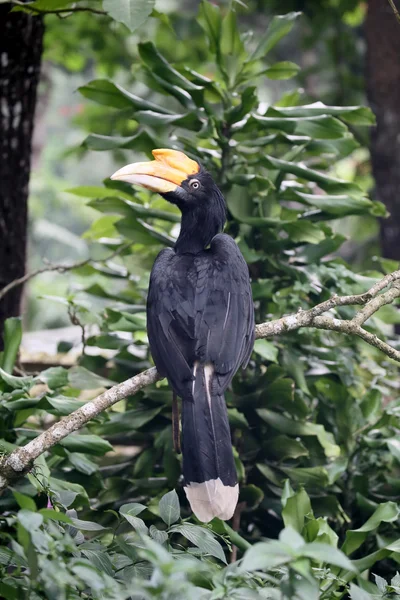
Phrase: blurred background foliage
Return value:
(327, 44)
(273, 107)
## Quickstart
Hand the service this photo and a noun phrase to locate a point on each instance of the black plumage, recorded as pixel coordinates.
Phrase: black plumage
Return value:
(200, 323)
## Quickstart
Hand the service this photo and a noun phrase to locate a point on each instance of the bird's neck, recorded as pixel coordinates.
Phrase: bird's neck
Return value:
(198, 227)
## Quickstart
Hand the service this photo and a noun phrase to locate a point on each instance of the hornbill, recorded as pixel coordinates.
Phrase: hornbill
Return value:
(200, 323)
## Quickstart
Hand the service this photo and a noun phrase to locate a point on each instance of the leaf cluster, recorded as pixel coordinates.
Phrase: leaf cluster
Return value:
(314, 418)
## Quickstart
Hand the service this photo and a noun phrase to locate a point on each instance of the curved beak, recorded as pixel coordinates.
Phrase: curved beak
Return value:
(162, 175)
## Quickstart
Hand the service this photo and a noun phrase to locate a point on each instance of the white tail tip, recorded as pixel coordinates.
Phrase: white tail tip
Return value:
(212, 499)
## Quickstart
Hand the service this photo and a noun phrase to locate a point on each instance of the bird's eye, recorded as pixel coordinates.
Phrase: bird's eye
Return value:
(194, 184)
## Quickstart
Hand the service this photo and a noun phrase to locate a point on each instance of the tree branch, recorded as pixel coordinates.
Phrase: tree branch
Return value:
(20, 461)
(59, 268)
(396, 12)
(60, 11)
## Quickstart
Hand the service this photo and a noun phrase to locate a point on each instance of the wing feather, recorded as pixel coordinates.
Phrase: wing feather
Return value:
(200, 308)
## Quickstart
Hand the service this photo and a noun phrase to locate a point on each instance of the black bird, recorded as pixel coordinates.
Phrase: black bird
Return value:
(200, 323)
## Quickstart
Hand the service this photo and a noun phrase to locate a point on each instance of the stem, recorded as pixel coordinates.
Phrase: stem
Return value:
(396, 12)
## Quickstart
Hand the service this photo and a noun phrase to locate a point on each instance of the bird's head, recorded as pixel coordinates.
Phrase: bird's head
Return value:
(176, 177)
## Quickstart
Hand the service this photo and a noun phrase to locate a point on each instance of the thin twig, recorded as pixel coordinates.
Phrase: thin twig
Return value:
(236, 527)
(59, 268)
(60, 11)
(19, 462)
(396, 12)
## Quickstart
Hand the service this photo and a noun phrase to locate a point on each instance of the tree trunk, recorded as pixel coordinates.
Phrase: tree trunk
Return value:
(21, 37)
(382, 32)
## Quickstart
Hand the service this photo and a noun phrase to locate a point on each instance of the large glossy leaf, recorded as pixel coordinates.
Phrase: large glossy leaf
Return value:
(386, 513)
(326, 182)
(130, 512)
(266, 555)
(295, 510)
(140, 142)
(301, 428)
(266, 349)
(105, 92)
(304, 231)
(277, 29)
(211, 21)
(282, 70)
(83, 379)
(202, 538)
(126, 208)
(89, 444)
(338, 205)
(325, 553)
(356, 115)
(169, 508)
(132, 13)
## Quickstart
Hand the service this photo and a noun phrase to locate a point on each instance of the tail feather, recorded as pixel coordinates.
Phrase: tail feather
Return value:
(208, 465)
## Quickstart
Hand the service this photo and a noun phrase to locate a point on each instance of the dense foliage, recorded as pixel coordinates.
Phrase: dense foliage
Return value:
(314, 417)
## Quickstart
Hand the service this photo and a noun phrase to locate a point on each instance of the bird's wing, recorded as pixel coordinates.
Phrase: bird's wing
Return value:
(170, 320)
(224, 326)
(200, 308)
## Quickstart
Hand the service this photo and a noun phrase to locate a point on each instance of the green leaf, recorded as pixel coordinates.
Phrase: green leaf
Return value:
(210, 19)
(63, 405)
(338, 205)
(282, 70)
(100, 560)
(128, 209)
(16, 383)
(55, 515)
(129, 512)
(132, 13)
(353, 114)
(299, 428)
(154, 119)
(132, 509)
(266, 555)
(330, 184)
(295, 510)
(356, 593)
(279, 27)
(156, 534)
(283, 446)
(82, 463)
(308, 476)
(82, 379)
(86, 525)
(111, 94)
(86, 443)
(248, 101)
(12, 339)
(171, 80)
(266, 349)
(304, 231)
(31, 521)
(94, 191)
(169, 508)
(24, 501)
(202, 538)
(327, 554)
(386, 513)
(55, 377)
(141, 142)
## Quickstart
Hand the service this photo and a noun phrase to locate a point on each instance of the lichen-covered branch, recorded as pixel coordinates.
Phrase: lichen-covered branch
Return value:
(20, 460)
